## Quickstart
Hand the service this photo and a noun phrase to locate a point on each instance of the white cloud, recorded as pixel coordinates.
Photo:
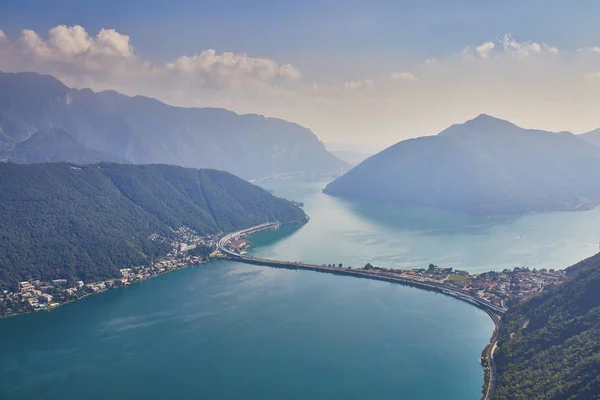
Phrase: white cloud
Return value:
(108, 60)
(522, 81)
(520, 49)
(32, 45)
(68, 41)
(510, 47)
(359, 85)
(525, 49)
(289, 71)
(403, 76)
(550, 49)
(230, 70)
(593, 76)
(485, 49)
(71, 45)
(2, 35)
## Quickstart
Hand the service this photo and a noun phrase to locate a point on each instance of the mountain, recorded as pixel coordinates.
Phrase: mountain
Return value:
(351, 157)
(63, 220)
(142, 130)
(485, 166)
(549, 346)
(592, 137)
(52, 145)
(352, 153)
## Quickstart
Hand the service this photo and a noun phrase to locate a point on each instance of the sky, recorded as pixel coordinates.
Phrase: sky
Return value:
(366, 73)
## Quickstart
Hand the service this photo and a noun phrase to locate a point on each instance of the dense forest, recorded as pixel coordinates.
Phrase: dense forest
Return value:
(549, 346)
(86, 222)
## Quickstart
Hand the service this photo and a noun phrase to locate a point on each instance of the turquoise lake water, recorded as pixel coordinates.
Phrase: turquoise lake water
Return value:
(357, 233)
(228, 330)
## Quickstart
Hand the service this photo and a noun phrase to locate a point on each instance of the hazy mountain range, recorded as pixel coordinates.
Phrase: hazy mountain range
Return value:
(43, 120)
(592, 137)
(484, 166)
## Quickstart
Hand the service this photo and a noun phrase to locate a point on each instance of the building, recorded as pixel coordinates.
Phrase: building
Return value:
(26, 287)
(45, 298)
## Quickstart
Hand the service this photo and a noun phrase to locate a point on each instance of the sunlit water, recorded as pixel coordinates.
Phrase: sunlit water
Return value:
(229, 330)
(356, 233)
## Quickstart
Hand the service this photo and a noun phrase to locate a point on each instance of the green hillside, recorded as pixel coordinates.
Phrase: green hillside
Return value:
(550, 345)
(62, 220)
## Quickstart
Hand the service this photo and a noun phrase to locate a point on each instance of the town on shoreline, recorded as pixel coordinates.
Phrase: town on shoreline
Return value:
(500, 288)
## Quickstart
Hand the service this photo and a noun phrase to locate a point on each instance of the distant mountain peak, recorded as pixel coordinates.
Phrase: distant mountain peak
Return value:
(482, 124)
(592, 137)
(114, 127)
(32, 79)
(484, 166)
(484, 117)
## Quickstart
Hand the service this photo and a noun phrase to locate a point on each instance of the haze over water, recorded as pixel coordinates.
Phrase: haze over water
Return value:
(356, 233)
(230, 330)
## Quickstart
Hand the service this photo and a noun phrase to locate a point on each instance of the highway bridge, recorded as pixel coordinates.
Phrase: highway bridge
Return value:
(361, 273)
(495, 312)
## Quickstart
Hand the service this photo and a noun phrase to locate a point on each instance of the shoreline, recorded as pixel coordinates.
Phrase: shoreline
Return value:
(73, 300)
(494, 314)
(493, 311)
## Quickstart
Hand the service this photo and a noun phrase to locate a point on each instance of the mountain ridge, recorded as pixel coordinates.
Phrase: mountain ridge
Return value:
(144, 130)
(54, 145)
(484, 166)
(61, 220)
(592, 137)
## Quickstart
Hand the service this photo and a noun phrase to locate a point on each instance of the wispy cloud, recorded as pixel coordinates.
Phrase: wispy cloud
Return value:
(485, 49)
(108, 59)
(595, 76)
(359, 85)
(403, 76)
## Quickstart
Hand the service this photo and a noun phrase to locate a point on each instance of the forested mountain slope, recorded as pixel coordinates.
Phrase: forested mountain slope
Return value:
(549, 346)
(63, 220)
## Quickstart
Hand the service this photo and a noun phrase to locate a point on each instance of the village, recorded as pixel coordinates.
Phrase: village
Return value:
(188, 249)
(501, 288)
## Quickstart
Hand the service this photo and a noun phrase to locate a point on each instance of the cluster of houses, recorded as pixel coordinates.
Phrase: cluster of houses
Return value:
(496, 287)
(187, 239)
(516, 284)
(38, 295)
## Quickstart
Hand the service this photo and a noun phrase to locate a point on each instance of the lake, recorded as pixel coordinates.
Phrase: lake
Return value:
(356, 233)
(230, 330)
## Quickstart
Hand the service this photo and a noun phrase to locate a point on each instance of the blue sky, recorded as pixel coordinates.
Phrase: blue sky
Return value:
(330, 42)
(348, 29)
